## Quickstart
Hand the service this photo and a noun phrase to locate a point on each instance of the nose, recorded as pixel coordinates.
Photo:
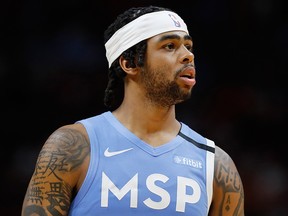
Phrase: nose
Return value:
(187, 56)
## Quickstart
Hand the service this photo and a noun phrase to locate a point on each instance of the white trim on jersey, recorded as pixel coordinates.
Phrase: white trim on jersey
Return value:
(210, 172)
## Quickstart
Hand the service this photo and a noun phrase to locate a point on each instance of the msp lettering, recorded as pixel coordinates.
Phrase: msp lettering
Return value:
(131, 189)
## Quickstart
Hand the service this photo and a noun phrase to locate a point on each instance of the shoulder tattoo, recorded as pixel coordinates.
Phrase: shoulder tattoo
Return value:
(63, 152)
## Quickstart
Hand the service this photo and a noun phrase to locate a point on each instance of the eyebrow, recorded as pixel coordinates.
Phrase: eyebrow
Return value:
(174, 36)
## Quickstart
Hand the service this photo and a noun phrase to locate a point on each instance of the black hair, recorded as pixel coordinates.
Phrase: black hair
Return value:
(114, 92)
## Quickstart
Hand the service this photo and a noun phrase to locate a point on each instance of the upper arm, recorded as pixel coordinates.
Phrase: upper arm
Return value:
(57, 172)
(228, 192)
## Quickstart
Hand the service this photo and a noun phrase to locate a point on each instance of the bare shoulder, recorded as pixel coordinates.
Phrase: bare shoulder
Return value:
(73, 135)
(59, 171)
(68, 146)
(228, 192)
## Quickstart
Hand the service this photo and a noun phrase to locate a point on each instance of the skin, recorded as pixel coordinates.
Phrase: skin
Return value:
(153, 89)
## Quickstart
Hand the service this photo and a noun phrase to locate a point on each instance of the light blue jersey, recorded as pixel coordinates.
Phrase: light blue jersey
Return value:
(126, 176)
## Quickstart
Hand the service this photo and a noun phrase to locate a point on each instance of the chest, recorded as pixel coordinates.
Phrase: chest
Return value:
(132, 178)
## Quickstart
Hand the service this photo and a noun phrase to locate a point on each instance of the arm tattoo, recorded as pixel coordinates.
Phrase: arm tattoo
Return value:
(228, 178)
(63, 152)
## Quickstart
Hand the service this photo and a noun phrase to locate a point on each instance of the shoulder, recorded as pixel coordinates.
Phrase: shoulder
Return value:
(68, 138)
(68, 148)
(222, 156)
(73, 134)
(225, 169)
(228, 192)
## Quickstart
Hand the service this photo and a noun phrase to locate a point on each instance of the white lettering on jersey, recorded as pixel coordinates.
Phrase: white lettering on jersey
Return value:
(188, 162)
(132, 187)
(108, 185)
(150, 183)
(182, 197)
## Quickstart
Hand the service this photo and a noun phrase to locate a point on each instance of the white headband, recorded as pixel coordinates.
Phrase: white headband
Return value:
(145, 26)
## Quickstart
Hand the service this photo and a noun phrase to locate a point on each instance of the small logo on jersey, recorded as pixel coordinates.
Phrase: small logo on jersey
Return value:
(108, 153)
(174, 19)
(188, 162)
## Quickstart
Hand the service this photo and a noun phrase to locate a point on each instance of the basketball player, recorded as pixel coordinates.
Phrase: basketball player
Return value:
(137, 158)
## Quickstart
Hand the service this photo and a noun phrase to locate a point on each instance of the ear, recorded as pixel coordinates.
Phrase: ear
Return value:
(126, 66)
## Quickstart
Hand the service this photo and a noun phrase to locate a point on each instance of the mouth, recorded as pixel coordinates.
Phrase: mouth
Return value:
(187, 75)
(188, 72)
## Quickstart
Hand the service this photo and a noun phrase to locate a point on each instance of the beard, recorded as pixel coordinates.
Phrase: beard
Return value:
(161, 91)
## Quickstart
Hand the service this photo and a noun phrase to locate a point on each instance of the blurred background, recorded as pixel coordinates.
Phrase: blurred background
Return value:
(53, 71)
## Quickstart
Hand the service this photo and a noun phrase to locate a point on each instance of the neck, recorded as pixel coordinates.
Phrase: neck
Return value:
(154, 125)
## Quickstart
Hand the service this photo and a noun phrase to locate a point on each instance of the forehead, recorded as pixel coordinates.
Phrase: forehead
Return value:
(177, 35)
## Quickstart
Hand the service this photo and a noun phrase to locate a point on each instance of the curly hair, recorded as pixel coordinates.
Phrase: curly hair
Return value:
(114, 92)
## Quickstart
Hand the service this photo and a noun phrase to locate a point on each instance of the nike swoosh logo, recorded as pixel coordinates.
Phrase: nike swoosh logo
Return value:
(107, 153)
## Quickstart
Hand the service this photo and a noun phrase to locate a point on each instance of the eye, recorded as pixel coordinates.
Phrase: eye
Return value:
(170, 46)
(189, 47)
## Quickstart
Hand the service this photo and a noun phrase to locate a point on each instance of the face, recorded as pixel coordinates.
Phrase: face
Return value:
(169, 73)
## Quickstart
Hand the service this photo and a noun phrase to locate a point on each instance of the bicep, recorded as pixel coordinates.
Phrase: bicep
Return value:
(228, 192)
(56, 172)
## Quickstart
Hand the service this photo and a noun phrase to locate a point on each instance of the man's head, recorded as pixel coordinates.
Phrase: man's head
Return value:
(142, 28)
(127, 37)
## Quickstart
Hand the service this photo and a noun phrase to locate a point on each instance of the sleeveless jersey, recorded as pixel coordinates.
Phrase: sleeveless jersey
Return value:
(127, 176)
